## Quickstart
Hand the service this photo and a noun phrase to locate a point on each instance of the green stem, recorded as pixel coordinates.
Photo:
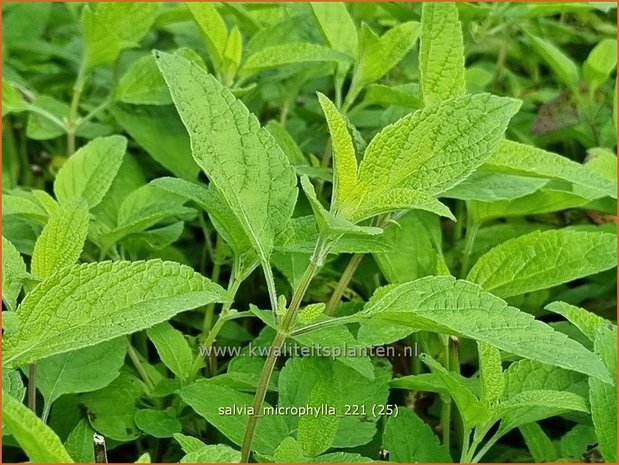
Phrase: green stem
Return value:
(47, 115)
(278, 341)
(209, 312)
(32, 387)
(72, 125)
(445, 418)
(94, 112)
(343, 283)
(139, 366)
(327, 324)
(268, 276)
(472, 227)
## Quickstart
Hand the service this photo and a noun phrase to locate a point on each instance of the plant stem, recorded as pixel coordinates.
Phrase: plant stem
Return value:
(32, 387)
(268, 277)
(278, 341)
(472, 227)
(327, 324)
(72, 125)
(343, 283)
(446, 400)
(135, 358)
(47, 115)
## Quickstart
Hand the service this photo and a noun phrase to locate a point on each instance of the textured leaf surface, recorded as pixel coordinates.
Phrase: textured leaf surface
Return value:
(241, 159)
(213, 453)
(213, 27)
(516, 158)
(173, 349)
(157, 423)
(490, 373)
(82, 370)
(587, 322)
(603, 397)
(441, 53)
(89, 172)
(83, 305)
(79, 442)
(601, 62)
(40, 442)
(489, 187)
(62, 239)
(445, 305)
(206, 398)
(435, 148)
(290, 54)
(397, 440)
(337, 27)
(562, 65)
(13, 273)
(543, 259)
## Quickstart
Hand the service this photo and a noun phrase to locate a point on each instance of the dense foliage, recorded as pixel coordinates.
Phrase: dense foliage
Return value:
(309, 232)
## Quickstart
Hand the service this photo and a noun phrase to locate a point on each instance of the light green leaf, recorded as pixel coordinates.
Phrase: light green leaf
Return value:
(378, 55)
(587, 322)
(337, 27)
(490, 373)
(543, 259)
(445, 305)
(13, 273)
(12, 101)
(432, 382)
(344, 159)
(488, 186)
(425, 448)
(216, 403)
(404, 95)
(311, 312)
(145, 124)
(577, 441)
(213, 27)
(289, 451)
(213, 453)
(83, 305)
(291, 54)
(173, 349)
(89, 172)
(111, 409)
(232, 54)
(142, 84)
(83, 370)
(515, 158)
(110, 28)
(472, 410)
(317, 433)
(157, 423)
(400, 199)
(62, 239)
(603, 397)
(561, 64)
(530, 375)
(241, 159)
(189, 443)
(435, 148)
(13, 384)
(40, 442)
(441, 53)
(79, 442)
(600, 63)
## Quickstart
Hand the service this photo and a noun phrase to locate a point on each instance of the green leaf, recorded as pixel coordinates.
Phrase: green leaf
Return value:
(488, 187)
(344, 159)
(337, 26)
(83, 305)
(241, 159)
(79, 442)
(317, 433)
(600, 63)
(490, 374)
(157, 423)
(540, 445)
(62, 239)
(561, 64)
(472, 410)
(432, 382)
(83, 370)
(189, 443)
(291, 54)
(173, 349)
(39, 441)
(142, 84)
(603, 397)
(145, 124)
(12, 101)
(110, 28)
(13, 273)
(13, 384)
(587, 322)
(529, 375)
(289, 451)
(213, 453)
(397, 440)
(577, 441)
(543, 259)
(213, 27)
(89, 172)
(435, 148)
(216, 403)
(111, 410)
(441, 53)
(515, 158)
(379, 54)
(445, 305)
